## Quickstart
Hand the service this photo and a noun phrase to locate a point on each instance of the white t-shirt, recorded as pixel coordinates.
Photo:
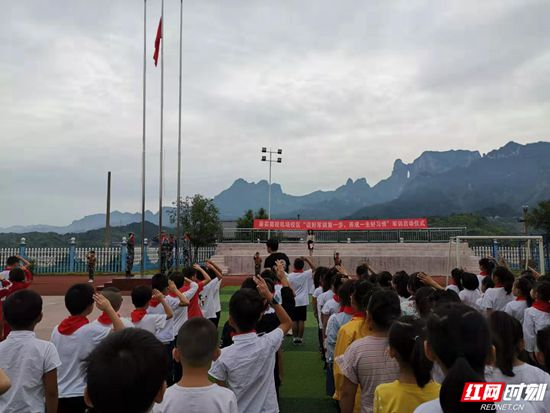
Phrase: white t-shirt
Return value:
(534, 320)
(330, 307)
(321, 301)
(208, 296)
(310, 285)
(151, 322)
(109, 327)
(495, 299)
(524, 373)
(516, 309)
(453, 287)
(470, 297)
(181, 313)
(209, 399)
(73, 349)
(25, 359)
(247, 368)
(166, 333)
(299, 281)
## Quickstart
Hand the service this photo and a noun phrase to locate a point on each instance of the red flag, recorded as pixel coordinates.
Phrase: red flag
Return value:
(157, 42)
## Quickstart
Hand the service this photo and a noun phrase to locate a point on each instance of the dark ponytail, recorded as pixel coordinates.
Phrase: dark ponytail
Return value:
(503, 276)
(507, 334)
(406, 337)
(362, 293)
(384, 308)
(543, 343)
(525, 285)
(459, 336)
(456, 275)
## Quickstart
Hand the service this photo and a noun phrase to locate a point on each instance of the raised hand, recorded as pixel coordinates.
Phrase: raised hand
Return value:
(157, 295)
(102, 303)
(262, 288)
(172, 286)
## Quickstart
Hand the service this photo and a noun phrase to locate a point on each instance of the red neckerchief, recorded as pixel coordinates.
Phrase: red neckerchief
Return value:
(359, 314)
(347, 309)
(105, 319)
(498, 285)
(173, 295)
(234, 333)
(138, 314)
(521, 299)
(542, 305)
(71, 324)
(298, 271)
(153, 302)
(18, 285)
(336, 298)
(484, 273)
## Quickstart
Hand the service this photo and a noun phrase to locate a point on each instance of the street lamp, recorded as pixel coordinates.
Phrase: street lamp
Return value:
(271, 160)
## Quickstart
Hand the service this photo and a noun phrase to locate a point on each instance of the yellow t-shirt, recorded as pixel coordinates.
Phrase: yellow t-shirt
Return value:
(348, 333)
(397, 397)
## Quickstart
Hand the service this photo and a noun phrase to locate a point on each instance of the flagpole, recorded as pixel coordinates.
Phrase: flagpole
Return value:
(142, 269)
(161, 121)
(179, 150)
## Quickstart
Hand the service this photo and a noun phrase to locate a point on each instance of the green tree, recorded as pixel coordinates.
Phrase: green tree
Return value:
(246, 223)
(539, 217)
(199, 218)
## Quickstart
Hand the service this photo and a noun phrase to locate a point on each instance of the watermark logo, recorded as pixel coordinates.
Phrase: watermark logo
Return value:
(498, 392)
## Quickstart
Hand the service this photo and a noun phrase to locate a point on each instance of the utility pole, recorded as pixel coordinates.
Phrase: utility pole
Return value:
(271, 161)
(108, 212)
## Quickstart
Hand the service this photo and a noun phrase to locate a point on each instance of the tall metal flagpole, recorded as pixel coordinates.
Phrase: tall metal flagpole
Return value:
(161, 119)
(178, 198)
(142, 269)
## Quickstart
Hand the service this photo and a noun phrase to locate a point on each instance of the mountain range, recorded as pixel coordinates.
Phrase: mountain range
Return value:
(435, 184)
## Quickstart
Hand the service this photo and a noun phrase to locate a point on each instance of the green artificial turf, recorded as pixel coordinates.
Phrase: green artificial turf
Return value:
(303, 388)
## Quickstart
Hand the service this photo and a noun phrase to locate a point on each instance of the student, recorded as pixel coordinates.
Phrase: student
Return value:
(333, 324)
(114, 296)
(522, 292)
(165, 335)
(16, 261)
(299, 281)
(125, 373)
(455, 282)
(272, 246)
(74, 338)
(333, 305)
(384, 279)
(427, 299)
(366, 361)
(449, 344)
(414, 385)
(318, 276)
(470, 294)
(507, 335)
(246, 366)
(399, 282)
(353, 330)
(257, 263)
(486, 267)
(543, 344)
(30, 363)
(201, 277)
(496, 298)
(141, 297)
(91, 260)
(197, 346)
(537, 316)
(16, 281)
(211, 294)
(408, 307)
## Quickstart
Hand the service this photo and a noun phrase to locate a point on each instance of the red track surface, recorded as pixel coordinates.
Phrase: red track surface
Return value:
(58, 284)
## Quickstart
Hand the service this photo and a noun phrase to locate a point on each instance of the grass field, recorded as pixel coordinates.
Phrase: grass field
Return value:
(304, 379)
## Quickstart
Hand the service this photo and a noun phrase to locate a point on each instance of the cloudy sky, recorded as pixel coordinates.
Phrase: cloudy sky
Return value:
(343, 87)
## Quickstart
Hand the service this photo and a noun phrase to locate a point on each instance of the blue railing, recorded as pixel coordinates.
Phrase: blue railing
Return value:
(111, 260)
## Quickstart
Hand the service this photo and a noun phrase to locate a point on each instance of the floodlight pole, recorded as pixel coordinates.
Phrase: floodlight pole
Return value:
(271, 161)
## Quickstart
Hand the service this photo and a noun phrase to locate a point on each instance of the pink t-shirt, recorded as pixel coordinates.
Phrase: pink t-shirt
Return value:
(367, 362)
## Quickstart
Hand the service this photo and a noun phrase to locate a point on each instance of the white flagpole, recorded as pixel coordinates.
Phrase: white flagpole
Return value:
(161, 119)
(142, 269)
(178, 198)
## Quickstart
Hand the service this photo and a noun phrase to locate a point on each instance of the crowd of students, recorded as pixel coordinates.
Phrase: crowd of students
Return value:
(398, 343)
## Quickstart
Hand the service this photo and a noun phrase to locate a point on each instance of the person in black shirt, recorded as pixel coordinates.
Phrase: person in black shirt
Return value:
(274, 256)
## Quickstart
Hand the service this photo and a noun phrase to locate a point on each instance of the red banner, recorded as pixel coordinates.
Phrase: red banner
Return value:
(339, 225)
